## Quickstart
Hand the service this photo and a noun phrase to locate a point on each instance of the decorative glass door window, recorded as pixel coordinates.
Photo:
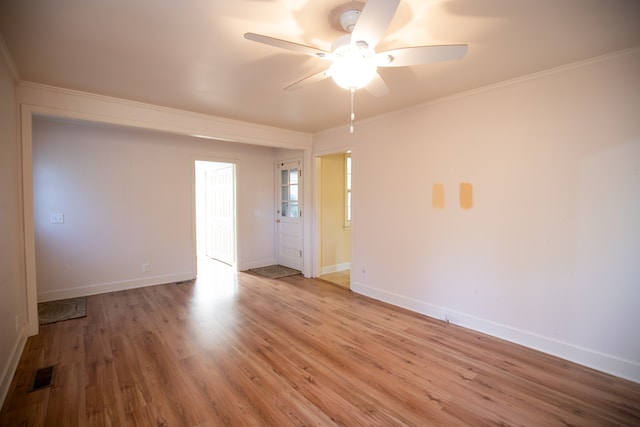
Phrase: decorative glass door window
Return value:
(289, 193)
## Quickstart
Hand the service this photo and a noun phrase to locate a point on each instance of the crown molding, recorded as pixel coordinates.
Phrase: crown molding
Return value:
(495, 86)
(535, 76)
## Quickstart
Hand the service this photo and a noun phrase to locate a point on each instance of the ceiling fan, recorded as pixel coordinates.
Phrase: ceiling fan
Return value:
(354, 61)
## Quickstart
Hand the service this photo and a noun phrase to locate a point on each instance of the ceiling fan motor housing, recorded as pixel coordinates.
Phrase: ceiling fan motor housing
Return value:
(348, 19)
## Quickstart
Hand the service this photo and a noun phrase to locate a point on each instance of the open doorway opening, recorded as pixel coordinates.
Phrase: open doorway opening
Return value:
(333, 210)
(216, 236)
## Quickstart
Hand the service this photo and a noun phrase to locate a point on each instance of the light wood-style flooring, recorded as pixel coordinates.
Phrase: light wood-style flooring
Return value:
(238, 349)
(340, 278)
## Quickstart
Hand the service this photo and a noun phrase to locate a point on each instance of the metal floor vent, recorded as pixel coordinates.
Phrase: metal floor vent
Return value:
(42, 378)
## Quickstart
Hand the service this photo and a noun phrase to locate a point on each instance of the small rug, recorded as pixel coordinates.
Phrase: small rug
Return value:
(57, 311)
(275, 271)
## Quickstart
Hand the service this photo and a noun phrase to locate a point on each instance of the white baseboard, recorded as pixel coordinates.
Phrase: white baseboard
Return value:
(12, 364)
(335, 268)
(626, 369)
(101, 288)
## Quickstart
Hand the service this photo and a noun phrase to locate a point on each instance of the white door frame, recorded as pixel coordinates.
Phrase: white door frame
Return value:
(203, 222)
(317, 208)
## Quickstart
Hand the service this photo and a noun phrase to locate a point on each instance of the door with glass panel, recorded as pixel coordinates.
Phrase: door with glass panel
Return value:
(289, 214)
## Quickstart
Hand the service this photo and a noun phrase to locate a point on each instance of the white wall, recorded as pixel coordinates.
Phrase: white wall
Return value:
(128, 199)
(12, 279)
(549, 255)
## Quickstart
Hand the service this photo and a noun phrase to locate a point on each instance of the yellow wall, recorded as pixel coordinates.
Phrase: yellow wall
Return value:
(336, 239)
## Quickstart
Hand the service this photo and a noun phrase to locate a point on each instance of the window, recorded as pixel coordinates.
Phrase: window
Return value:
(289, 193)
(347, 181)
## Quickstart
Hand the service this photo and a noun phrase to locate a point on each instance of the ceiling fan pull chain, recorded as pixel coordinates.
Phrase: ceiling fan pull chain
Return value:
(353, 115)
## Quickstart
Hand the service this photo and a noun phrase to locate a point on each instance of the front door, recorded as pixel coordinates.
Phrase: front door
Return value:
(289, 214)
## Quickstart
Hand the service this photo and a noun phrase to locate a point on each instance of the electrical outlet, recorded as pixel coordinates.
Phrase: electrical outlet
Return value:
(145, 268)
(56, 218)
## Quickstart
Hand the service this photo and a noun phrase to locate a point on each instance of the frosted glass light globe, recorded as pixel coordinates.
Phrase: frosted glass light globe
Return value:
(353, 67)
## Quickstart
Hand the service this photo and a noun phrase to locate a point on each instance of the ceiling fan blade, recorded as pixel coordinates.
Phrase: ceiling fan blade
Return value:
(373, 21)
(284, 44)
(308, 80)
(377, 86)
(417, 55)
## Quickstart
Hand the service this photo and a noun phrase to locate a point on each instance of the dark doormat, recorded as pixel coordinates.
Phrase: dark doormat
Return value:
(65, 309)
(275, 271)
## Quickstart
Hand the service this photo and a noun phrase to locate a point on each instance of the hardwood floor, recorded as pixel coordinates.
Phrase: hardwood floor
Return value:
(246, 350)
(340, 278)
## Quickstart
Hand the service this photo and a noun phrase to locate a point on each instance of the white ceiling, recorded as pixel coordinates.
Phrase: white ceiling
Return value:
(192, 55)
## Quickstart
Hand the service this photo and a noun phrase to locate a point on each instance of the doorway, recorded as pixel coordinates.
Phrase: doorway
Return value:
(216, 237)
(333, 210)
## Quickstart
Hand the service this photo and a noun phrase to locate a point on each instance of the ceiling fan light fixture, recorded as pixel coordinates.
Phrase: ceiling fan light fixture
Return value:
(354, 61)
(353, 68)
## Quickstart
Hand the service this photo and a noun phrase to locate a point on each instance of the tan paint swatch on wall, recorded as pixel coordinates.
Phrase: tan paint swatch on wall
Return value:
(466, 195)
(437, 196)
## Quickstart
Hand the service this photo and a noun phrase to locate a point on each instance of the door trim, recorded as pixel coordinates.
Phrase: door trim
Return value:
(317, 209)
(202, 222)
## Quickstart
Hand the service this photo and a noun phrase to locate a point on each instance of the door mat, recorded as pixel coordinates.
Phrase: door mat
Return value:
(275, 271)
(57, 311)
